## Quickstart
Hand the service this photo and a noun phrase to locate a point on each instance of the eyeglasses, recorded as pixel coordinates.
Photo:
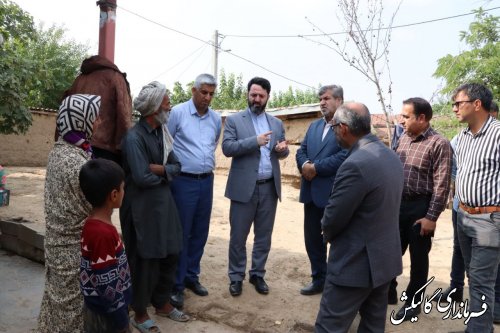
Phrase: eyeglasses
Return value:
(335, 125)
(457, 103)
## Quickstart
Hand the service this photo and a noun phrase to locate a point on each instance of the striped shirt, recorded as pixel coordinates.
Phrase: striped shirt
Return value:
(427, 168)
(478, 163)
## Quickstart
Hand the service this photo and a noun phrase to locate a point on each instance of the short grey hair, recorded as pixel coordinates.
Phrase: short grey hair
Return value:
(358, 120)
(337, 91)
(205, 78)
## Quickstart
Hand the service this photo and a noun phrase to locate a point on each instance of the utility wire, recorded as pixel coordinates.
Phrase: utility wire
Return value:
(179, 62)
(268, 70)
(345, 32)
(164, 26)
(190, 65)
(217, 46)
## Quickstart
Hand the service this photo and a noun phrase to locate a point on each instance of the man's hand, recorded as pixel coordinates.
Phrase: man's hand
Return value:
(157, 169)
(263, 139)
(308, 171)
(427, 227)
(281, 146)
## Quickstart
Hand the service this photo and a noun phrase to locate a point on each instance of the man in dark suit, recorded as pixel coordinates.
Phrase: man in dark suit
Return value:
(255, 140)
(318, 159)
(361, 223)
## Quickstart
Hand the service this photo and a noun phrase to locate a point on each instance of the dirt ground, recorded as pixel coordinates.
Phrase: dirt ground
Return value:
(283, 309)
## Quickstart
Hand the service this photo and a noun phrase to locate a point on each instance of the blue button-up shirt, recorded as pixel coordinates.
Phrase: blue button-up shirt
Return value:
(195, 137)
(261, 125)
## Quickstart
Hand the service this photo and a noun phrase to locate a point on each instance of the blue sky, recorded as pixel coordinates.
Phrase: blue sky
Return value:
(149, 52)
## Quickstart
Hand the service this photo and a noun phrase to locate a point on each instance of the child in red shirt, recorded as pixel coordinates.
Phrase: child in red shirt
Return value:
(104, 272)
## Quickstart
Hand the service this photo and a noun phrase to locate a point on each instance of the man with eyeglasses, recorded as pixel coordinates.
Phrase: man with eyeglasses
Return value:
(318, 159)
(477, 155)
(361, 224)
(426, 157)
(457, 274)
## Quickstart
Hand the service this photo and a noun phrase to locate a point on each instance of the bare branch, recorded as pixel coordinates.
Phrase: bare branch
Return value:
(366, 45)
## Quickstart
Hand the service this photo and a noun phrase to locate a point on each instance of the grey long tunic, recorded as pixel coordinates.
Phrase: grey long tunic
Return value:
(148, 216)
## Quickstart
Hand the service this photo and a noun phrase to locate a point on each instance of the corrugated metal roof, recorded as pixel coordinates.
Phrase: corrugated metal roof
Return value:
(283, 111)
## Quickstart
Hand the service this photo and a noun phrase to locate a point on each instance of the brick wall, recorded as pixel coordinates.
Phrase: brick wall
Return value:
(32, 148)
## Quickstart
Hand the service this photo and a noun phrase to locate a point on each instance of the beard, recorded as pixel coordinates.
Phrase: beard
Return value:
(257, 109)
(162, 117)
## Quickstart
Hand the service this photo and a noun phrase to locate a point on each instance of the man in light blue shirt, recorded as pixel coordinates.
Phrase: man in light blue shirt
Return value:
(261, 125)
(195, 128)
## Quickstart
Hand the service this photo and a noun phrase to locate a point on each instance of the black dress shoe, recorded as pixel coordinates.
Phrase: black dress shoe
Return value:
(260, 284)
(235, 288)
(392, 296)
(177, 299)
(408, 314)
(313, 288)
(197, 288)
(456, 296)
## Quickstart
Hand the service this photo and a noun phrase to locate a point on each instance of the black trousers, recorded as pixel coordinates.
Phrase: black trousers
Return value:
(420, 246)
(313, 237)
(152, 281)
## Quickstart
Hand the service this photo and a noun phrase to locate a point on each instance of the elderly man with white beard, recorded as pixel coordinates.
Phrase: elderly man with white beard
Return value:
(150, 223)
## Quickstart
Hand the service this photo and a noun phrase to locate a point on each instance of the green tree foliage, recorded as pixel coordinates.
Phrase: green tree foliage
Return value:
(231, 94)
(57, 71)
(16, 28)
(15, 22)
(292, 98)
(479, 64)
(36, 66)
(444, 120)
(178, 94)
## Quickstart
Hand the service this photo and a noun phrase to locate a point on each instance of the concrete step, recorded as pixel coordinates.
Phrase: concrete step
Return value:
(23, 238)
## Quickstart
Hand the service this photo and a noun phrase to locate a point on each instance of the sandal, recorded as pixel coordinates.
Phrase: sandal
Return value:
(175, 315)
(147, 326)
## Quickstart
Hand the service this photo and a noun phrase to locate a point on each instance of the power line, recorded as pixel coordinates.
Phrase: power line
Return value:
(217, 46)
(345, 32)
(164, 26)
(191, 64)
(270, 71)
(179, 62)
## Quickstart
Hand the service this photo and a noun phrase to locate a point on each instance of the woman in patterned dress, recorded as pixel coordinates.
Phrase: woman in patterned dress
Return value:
(65, 211)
